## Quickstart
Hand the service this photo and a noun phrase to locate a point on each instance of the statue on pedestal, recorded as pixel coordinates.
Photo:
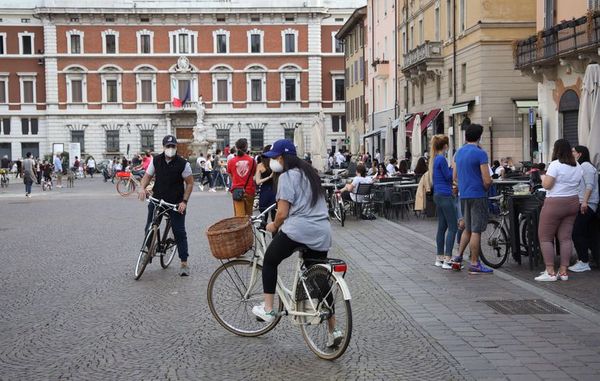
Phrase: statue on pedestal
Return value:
(200, 142)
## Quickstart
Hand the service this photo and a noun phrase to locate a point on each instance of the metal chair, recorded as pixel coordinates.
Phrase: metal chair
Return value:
(378, 199)
(363, 193)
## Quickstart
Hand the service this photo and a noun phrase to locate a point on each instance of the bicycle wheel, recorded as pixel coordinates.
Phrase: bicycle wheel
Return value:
(494, 245)
(227, 288)
(169, 246)
(146, 252)
(523, 233)
(331, 311)
(125, 187)
(338, 210)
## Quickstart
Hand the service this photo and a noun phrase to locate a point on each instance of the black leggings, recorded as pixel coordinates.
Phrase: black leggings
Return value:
(280, 248)
(585, 235)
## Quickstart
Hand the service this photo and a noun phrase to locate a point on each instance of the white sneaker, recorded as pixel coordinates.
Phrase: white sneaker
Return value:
(201, 188)
(438, 263)
(212, 190)
(260, 313)
(545, 277)
(580, 267)
(334, 338)
(560, 276)
(447, 265)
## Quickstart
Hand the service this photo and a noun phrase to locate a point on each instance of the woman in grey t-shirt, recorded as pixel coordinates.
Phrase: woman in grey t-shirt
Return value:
(301, 220)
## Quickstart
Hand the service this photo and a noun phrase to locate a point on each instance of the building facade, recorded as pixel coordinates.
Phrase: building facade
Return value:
(353, 36)
(556, 58)
(381, 86)
(457, 64)
(116, 76)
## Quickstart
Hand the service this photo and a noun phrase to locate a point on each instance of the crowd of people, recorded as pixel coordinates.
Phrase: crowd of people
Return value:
(461, 190)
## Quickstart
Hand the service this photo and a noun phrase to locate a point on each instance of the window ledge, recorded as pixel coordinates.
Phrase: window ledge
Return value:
(146, 105)
(77, 106)
(113, 106)
(222, 105)
(256, 104)
(290, 104)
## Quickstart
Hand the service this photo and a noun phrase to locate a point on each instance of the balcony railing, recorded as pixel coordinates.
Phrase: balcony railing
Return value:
(430, 50)
(382, 68)
(567, 38)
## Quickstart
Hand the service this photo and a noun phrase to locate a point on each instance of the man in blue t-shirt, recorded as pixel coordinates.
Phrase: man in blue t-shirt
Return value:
(472, 175)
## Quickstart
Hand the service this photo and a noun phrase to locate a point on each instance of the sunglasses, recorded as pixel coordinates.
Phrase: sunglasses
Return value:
(171, 146)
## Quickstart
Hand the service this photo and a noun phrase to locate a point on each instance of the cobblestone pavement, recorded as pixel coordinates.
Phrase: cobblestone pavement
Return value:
(70, 308)
(584, 288)
(449, 306)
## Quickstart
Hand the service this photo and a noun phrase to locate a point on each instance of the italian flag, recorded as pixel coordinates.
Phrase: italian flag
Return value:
(176, 101)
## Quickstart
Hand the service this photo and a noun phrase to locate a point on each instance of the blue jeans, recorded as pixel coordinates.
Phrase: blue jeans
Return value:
(178, 226)
(447, 223)
(28, 183)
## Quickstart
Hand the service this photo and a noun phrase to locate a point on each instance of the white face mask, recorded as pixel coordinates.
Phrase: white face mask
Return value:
(275, 166)
(170, 152)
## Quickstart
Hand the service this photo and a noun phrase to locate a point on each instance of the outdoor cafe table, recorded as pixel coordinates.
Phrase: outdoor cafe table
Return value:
(406, 186)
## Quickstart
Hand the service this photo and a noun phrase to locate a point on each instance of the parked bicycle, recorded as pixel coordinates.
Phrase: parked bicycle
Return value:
(337, 206)
(318, 299)
(159, 239)
(127, 183)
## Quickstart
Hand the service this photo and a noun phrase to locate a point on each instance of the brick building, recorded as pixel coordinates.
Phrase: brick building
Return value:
(107, 74)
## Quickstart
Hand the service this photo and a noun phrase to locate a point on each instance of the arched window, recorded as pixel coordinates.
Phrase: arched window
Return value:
(146, 85)
(256, 83)
(111, 77)
(221, 76)
(76, 82)
(290, 83)
(569, 109)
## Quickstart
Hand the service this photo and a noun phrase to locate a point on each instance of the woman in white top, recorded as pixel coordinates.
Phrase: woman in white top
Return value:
(391, 167)
(584, 234)
(560, 209)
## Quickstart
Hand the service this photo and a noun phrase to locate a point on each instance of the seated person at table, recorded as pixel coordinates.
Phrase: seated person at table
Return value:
(421, 166)
(381, 172)
(403, 167)
(373, 170)
(391, 167)
(349, 191)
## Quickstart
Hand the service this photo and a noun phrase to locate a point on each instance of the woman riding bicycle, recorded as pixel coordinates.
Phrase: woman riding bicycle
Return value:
(301, 221)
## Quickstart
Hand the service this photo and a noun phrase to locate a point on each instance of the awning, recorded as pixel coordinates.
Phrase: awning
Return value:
(372, 133)
(431, 115)
(460, 108)
(523, 106)
(409, 123)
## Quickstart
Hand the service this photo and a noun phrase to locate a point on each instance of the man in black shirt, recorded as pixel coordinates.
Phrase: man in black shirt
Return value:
(173, 183)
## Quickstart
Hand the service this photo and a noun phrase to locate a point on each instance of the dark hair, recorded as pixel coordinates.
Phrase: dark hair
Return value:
(562, 152)
(473, 132)
(496, 163)
(384, 172)
(375, 162)
(403, 167)
(585, 154)
(392, 161)
(421, 166)
(293, 161)
(28, 154)
(242, 146)
(361, 170)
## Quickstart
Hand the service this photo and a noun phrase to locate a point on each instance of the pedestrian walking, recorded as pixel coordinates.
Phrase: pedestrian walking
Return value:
(584, 231)
(19, 164)
(560, 209)
(38, 170)
(471, 174)
(208, 172)
(28, 173)
(445, 202)
(241, 168)
(58, 169)
(173, 183)
(264, 179)
(91, 166)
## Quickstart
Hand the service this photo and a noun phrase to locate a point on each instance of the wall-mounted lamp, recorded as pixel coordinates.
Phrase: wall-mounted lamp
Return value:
(239, 126)
(128, 127)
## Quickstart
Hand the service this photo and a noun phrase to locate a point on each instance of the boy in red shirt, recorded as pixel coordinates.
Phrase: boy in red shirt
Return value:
(241, 169)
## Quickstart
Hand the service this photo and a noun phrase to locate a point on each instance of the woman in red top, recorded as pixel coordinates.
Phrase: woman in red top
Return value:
(241, 169)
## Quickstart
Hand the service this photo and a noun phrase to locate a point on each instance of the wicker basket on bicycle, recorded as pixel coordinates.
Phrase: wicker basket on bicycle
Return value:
(230, 238)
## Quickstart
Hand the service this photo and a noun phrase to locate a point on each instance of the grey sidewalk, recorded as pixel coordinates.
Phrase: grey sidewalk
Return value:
(448, 306)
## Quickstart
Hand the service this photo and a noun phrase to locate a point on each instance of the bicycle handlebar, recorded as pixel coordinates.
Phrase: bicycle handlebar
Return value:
(161, 203)
(259, 218)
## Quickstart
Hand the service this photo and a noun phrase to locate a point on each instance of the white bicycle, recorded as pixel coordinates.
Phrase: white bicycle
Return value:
(318, 300)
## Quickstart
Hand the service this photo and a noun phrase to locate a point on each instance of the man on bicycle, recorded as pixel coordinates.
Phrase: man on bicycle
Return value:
(173, 183)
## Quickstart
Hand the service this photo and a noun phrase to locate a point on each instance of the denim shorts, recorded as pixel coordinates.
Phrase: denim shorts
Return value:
(475, 213)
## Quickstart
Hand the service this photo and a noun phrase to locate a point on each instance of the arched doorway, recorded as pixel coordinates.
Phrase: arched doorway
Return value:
(569, 109)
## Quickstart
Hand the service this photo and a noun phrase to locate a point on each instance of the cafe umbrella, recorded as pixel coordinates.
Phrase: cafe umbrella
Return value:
(416, 142)
(589, 113)
(299, 141)
(401, 138)
(317, 145)
(389, 141)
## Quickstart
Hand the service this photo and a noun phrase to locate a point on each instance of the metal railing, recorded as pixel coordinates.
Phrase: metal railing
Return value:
(425, 51)
(561, 40)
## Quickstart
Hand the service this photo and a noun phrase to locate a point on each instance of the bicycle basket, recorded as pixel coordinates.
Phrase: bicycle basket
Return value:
(230, 238)
(123, 174)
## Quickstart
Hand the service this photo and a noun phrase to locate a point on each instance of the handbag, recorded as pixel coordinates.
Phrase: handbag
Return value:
(238, 193)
